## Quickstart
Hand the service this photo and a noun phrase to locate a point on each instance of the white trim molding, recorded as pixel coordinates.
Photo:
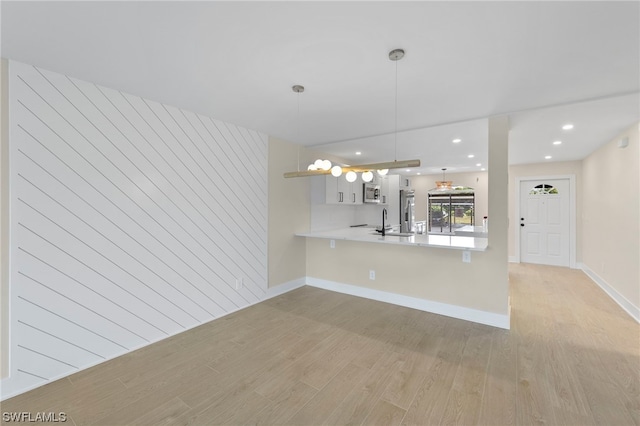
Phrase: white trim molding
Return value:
(622, 301)
(459, 312)
(572, 215)
(284, 288)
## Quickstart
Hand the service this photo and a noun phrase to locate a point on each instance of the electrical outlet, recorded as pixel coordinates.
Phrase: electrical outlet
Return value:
(372, 274)
(332, 244)
(241, 282)
(466, 256)
(237, 284)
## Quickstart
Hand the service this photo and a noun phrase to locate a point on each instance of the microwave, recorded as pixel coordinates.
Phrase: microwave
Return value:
(370, 193)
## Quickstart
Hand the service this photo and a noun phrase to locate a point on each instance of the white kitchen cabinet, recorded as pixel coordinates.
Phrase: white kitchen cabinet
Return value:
(383, 181)
(339, 191)
(405, 182)
(333, 194)
(356, 191)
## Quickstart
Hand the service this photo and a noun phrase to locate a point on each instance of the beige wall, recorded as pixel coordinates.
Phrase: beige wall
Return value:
(476, 180)
(544, 169)
(425, 273)
(289, 207)
(4, 219)
(430, 273)
(495, 279)
(611, 228)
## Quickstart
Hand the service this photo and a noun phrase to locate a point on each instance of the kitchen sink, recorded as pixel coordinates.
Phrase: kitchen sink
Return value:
(397, 234)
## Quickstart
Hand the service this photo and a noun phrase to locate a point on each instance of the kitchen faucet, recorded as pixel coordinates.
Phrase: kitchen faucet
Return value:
(384, 216)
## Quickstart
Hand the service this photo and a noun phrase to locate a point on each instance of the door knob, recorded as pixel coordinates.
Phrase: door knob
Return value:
(522, 224)
(522, 218)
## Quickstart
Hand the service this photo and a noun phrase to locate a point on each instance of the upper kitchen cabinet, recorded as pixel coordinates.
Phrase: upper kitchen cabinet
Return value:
(339, 191)
(383, 181)
(405, 182)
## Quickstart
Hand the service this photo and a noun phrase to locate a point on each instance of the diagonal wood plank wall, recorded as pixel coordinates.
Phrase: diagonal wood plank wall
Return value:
(130, 221)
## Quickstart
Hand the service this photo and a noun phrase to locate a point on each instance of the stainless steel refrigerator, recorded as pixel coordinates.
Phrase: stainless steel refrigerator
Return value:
(407, 210)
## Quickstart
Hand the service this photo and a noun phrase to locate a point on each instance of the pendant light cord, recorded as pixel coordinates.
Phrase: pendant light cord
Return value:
(395, 138)
(298, 130)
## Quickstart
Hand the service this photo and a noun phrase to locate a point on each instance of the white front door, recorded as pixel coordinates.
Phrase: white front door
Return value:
(544, 222)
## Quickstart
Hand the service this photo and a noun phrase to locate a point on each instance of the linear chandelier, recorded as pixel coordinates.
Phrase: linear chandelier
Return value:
(324, 167)
(403, 164)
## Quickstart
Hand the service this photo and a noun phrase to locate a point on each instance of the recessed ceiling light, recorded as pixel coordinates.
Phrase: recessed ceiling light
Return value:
(479, 164)
(557, 142)
(470, 156)
(358, 153)
(418, 173)
(547, 157)
(567, 126)
(456, 140)
(482, 169)
(408, 170)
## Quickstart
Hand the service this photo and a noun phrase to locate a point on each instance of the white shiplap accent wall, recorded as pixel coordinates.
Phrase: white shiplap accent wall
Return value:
(130, 221)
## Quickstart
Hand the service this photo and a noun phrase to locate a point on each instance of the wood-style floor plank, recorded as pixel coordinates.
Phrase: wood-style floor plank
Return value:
(323, 404)
(358, 404)
(386, 414)
(284, 406)
(465, 400)
(164, 414)
(311, 357)
(499, 397)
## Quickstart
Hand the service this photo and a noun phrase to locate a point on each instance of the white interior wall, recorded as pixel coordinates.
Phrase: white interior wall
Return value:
(130, 221)
(611, 219)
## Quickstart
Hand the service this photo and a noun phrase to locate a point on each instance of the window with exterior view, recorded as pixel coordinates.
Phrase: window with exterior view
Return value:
(543, 189)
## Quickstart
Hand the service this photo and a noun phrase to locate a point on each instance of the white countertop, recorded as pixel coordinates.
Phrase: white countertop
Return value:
(369, 235)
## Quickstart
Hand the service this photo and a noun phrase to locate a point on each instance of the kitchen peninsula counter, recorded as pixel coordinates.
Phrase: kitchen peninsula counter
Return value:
(369, 235)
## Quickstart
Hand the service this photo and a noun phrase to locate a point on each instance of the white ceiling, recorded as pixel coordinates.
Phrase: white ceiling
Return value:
(465, 61)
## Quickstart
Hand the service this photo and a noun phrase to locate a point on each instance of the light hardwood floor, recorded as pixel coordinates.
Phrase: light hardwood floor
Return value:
(313, 357)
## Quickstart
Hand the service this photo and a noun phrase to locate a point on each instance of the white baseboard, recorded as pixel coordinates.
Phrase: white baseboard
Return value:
(468, 314)
(513, 259)
(285, 287)
(629, 307)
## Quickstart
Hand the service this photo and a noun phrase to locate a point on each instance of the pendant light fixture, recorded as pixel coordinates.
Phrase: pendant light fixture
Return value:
(443, 184)
(319, 164)
(322, 167)
(298, 89)
(395, 55)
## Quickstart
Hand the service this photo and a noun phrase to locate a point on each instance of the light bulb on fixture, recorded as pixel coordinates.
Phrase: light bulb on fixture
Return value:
(367, 176)
(383, 172)
(336, 171)
(326, 165)
(351, 176)
(318, 164)
(312, 167)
